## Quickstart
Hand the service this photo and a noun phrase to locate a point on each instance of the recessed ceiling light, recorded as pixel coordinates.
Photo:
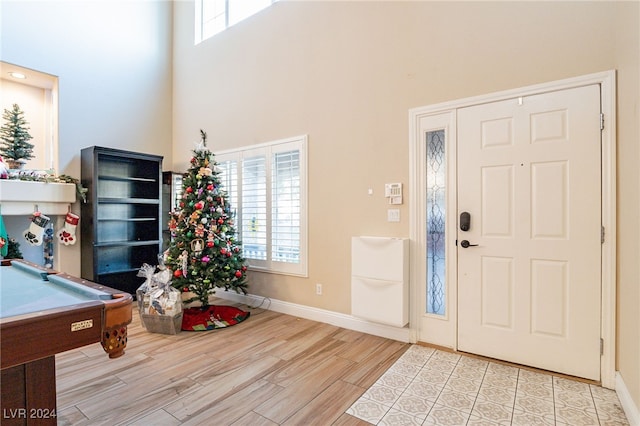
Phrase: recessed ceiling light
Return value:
(17, 75)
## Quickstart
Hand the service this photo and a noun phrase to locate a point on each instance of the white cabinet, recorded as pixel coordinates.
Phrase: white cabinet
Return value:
(380, 279)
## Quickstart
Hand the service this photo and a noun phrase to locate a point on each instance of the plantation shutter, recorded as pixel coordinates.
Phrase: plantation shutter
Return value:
(285, 207)
(229, 181)
(254, 207)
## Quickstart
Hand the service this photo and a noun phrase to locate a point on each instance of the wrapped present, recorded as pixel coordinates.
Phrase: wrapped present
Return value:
(159, 304)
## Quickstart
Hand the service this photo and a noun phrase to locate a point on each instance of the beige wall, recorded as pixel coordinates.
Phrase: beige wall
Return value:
(627, 56)
(346, 74)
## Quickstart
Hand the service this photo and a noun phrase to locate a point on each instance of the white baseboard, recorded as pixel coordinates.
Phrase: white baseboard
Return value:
(329, 317)
(629, 407)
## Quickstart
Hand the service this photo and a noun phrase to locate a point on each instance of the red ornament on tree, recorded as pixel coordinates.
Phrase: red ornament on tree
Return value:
(238, 274)
(189, 189)
(177, 273)
(221, 221)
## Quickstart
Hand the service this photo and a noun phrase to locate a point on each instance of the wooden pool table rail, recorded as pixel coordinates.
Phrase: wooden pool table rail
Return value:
(28, 337)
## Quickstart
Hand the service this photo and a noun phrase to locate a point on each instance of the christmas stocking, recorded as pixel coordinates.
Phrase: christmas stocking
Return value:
(68, 234)
(4, 239)
(33, 235)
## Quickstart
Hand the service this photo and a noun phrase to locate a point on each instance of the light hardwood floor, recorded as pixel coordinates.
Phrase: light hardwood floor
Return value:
(272, 369)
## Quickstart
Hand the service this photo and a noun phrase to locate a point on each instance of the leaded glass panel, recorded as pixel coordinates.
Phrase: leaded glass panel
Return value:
(436, 186)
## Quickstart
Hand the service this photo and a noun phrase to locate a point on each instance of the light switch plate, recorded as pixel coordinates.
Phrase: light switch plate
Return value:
(393, 215)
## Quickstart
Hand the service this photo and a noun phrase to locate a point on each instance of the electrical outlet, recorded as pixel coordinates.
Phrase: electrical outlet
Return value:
(319, 289)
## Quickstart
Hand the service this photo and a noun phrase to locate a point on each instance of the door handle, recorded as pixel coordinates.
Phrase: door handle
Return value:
(465, 244)
(465, 221)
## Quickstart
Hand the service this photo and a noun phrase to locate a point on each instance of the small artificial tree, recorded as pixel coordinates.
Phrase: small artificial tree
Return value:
(15, 136)
(204, 253)
(14, 250)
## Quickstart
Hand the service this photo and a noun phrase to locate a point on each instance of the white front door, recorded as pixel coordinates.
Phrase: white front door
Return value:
(529, 283)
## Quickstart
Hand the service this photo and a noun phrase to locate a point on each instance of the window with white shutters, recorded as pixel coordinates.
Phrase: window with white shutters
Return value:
(268, 184)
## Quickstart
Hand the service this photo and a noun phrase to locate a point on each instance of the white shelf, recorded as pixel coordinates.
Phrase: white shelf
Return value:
(19, 197)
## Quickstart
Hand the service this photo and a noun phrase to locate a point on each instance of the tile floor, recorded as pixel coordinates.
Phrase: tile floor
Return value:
(431, 387)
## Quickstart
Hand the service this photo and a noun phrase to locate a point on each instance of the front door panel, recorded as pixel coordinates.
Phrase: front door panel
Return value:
(529, 176)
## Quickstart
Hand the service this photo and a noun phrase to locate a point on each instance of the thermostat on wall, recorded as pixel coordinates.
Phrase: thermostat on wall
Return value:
(393, 191)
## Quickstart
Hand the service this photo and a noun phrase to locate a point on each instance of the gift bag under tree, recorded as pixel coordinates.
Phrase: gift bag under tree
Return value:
(159, 304)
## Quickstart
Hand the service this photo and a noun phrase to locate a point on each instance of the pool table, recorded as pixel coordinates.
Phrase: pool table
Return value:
(42, 313)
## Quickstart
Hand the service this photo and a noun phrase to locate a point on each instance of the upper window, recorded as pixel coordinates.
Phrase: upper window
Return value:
(266, 185)
(214, 16)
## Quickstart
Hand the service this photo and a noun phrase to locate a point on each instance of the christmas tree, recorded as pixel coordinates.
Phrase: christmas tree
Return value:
(15, 136)
(204, 253)
(14, 250)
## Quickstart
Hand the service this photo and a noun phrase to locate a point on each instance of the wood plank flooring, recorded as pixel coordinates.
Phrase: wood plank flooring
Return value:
(272, 369)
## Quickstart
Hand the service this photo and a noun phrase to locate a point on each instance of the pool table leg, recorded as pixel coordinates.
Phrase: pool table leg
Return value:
(114, 341)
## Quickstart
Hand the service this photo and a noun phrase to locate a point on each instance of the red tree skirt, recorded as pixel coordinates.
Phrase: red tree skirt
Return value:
(212, 317)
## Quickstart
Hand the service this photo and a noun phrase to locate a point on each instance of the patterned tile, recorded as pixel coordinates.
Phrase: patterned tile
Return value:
(492, 412)
(440, 364)
(497, 395)
(501, 369)
(433, 376)
(417, 355)
(480, 364)
(561, 384)
(426, 390)
(468, 372)
(538, 390)
(526, 418)
(367, 410)
(413, 405)
(576, 416)
(393, 380)
(399, 418)
(500, 381)
(456, 401)
(432, 387)
(383, 394)
(537, 406)
(446, 356)
(405, 369)
(475, 420)
(463, 385)
(534, 377)
(446, 416)
(580, 401)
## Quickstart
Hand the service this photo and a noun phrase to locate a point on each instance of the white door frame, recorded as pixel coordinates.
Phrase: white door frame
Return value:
(443, 330)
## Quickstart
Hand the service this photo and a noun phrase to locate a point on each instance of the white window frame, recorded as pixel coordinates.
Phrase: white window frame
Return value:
(268, 150)
(205, 26)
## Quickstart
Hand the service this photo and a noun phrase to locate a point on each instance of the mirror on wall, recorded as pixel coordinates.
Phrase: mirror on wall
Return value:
(36, 93)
